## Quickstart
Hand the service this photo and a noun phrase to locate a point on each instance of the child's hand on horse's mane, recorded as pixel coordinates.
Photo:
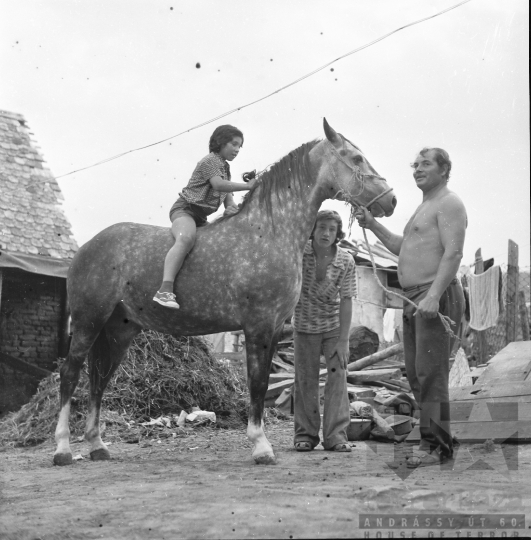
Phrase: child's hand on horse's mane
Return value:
(248, 176)
(252, 183)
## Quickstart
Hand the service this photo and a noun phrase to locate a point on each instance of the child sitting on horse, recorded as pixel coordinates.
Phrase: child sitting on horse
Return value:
(209, 186)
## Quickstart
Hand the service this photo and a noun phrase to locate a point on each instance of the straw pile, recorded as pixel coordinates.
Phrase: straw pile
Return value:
(161, 375)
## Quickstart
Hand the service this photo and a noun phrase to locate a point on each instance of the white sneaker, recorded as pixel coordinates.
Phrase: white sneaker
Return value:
(166, 299)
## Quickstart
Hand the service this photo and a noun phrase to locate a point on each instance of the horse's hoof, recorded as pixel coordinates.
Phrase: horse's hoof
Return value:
(62, 459)
(101, 454)
(265, 459)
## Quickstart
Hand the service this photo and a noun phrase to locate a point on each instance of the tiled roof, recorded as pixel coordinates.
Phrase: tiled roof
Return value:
(31, 218)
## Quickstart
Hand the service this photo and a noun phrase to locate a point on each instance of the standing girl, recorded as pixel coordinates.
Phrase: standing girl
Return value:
(322, 324)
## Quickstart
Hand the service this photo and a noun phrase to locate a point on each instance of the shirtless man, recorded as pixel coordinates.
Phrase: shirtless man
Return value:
(429, 255)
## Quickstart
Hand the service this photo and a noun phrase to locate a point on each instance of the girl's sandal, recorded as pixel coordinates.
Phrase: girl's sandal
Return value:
(303, 447)
(341, 447)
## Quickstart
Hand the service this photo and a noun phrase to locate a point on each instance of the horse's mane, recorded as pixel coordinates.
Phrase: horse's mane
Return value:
(284, 176)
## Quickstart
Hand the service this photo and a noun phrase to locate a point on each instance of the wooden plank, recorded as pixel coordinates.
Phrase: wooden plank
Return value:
(390, 385)
(278, 362)
(360, 377)
(514, 350)
(460, 411)
(275, 389)
(286, 356)
(512, 363)
(402, 383)
(491, 390)
(485, 410)
(24, 367)
(285, 342)
(505, 399)
(376, 357)
(278, 377)
(386, 366)
(512, 292)
(361, 392)
(476, 432)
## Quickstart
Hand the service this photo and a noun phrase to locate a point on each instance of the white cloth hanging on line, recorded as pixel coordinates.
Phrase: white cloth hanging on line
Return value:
(484, 302)
(389, 325)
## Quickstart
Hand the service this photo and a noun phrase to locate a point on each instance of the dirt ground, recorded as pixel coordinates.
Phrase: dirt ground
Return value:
(204, 484)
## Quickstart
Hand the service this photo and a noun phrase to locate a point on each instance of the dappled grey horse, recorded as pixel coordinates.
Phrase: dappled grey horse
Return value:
(244, 272)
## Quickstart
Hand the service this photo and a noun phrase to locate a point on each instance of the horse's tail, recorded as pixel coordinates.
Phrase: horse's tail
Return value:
(109, 349)
(99, 359)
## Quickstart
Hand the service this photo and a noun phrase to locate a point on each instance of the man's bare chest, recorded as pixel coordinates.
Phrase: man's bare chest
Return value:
(422, 222)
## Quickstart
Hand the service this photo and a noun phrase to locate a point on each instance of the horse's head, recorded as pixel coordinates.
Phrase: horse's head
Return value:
(347, 175)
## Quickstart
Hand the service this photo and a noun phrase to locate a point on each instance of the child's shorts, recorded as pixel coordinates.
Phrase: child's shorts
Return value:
(183, 207)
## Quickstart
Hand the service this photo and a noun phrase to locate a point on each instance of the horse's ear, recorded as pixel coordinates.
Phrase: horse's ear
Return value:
(330, 133)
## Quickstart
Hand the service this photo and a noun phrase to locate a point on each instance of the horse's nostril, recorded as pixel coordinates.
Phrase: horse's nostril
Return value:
(393, 202)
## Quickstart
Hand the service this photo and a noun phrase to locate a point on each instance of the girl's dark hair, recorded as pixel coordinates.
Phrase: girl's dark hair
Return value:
(330, 214)
(221, 136)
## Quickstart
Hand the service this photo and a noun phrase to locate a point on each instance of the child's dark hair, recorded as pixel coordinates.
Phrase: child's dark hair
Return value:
(330, 214)
(221, 136)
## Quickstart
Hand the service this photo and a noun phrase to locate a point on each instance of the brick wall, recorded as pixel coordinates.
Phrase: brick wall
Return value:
(30, 322)
(30, 317)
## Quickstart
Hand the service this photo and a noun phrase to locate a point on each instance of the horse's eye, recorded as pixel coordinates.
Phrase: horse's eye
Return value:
(357, 159)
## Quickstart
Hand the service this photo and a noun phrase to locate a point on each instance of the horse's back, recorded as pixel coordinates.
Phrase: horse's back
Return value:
(229, 276)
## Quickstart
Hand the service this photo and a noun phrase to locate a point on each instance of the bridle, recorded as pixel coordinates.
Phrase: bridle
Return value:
(357, 174)
(356, 171)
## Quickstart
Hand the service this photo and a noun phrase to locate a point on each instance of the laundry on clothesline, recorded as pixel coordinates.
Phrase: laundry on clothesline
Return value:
(392, 322)
(389, 325)
(485, 297)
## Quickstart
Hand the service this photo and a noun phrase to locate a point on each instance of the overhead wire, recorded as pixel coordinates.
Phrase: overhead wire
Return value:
(236, 109)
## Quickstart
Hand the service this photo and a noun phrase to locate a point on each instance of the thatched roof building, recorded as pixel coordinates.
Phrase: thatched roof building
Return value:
(36, 247)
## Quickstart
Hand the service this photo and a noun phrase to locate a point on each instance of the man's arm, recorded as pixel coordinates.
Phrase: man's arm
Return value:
(451, 222)
(393, 242)
(225, 186)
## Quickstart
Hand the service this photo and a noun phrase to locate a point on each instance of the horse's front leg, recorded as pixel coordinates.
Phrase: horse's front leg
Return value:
(259, 347)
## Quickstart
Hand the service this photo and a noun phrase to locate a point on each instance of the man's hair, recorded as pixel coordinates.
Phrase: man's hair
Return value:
(441, 157)
(330, 214)
(221, 136)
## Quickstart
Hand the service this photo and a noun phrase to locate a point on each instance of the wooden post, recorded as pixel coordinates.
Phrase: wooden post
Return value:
(512, 293)
(524, 315)
(482, 336)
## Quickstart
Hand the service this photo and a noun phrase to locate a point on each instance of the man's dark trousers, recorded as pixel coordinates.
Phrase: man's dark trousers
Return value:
(427, 348)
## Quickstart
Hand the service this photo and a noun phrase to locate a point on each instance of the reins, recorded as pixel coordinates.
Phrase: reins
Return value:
(446, 321)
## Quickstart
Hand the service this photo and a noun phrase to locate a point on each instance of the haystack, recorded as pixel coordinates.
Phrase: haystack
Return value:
(161, 375)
